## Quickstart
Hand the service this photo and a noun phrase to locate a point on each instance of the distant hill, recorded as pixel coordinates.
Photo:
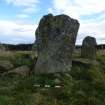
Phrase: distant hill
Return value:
(28, 47)
(18, 47)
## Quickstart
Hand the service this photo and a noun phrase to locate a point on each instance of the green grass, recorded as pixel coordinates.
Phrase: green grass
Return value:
(84, 85)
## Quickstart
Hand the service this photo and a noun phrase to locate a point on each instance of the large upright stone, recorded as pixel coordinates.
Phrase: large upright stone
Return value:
(89, 48)
(55, 41)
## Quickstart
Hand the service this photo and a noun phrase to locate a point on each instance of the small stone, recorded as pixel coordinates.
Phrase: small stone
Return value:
(5, 66)
(22, 71)
(57, 86)
(57, 81)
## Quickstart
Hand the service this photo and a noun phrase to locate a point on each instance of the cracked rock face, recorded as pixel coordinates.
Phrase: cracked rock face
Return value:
(55, 41)
(89, 48)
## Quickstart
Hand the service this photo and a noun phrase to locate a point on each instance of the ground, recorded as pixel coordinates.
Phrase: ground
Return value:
(84, 85)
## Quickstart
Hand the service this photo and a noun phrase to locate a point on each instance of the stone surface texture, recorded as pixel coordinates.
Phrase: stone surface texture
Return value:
(55, 41)
(89, 48)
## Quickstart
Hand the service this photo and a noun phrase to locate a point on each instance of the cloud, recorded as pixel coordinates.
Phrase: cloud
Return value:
(27, 3)
(16, 32)
(75, 8)
(21, 29)
(28, 6)
(90, 13)
(95, 29)
(22, 15)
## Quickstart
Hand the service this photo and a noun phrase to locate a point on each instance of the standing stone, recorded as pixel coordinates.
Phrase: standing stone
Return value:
(55, 41)
(89, 48)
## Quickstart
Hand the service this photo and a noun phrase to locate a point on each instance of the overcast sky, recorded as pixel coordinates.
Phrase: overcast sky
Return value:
(20, 18)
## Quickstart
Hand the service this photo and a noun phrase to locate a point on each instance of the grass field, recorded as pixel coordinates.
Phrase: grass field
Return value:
(84, 85)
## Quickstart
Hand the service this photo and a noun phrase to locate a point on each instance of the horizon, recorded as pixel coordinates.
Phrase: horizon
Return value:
(19, 19)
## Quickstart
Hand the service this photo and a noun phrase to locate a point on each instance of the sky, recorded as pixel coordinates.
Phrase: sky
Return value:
(20, 18)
